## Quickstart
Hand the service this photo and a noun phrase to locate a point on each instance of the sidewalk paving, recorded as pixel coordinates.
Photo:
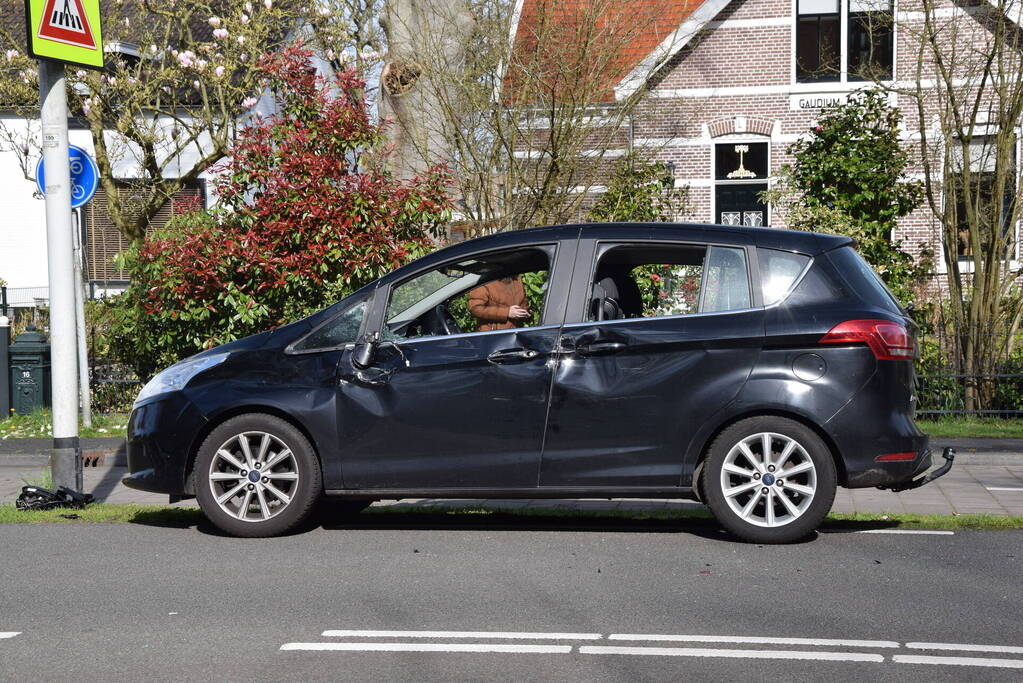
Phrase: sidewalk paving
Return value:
(964, 490)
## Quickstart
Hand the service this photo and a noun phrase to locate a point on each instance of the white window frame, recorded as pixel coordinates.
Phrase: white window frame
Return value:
(966, 263)
(737, 139)
(843, 37)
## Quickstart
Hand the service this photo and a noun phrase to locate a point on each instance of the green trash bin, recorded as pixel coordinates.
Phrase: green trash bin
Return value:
(30, 372)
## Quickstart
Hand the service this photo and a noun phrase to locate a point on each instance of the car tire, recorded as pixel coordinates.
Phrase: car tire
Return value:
(778, 499)
(269, 467)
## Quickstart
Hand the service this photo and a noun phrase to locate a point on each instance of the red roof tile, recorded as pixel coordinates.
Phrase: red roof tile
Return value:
(586, 45)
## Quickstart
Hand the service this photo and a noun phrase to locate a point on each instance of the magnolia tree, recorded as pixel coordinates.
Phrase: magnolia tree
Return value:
(180, 79)
(307, 214)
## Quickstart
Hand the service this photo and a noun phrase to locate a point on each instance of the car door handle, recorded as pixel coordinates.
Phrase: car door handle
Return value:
(600, 348)
(512, 356)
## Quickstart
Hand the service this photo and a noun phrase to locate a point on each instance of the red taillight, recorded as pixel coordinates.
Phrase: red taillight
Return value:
(896, 457)
(888, 340)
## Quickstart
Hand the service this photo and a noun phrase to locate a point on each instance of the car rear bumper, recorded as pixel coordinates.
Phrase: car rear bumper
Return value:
(160, 435)
(949, 456)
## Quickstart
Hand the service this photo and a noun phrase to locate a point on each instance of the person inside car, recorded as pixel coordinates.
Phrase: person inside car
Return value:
(499, 304)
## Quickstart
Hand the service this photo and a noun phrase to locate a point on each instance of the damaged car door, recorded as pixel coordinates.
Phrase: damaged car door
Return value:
(452, 391)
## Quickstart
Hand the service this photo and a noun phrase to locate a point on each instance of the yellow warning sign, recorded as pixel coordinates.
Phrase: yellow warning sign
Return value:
(66, 31)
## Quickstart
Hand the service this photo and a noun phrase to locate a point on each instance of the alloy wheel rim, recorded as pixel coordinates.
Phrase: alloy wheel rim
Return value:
(253, 476)
(768, 479)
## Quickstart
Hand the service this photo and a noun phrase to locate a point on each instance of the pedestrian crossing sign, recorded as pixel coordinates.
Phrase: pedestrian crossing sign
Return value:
(66, 31)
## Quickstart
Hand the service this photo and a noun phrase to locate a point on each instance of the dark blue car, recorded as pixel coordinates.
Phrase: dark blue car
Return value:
(753, 369)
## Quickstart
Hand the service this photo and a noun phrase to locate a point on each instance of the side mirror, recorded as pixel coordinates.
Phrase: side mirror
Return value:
(362, 356)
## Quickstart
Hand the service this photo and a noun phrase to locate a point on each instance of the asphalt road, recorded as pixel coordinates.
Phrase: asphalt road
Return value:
(527, 601)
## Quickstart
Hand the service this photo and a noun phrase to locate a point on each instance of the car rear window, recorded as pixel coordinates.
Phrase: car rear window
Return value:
(862, 279)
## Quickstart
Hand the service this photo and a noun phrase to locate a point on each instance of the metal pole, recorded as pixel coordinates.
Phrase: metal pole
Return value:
(83, 357)
(66, 460)
(5, 367)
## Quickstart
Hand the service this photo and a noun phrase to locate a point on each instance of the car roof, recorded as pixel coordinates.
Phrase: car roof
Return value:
(810, 243)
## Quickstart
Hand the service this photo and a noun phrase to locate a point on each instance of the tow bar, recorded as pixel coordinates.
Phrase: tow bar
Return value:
(949, 455)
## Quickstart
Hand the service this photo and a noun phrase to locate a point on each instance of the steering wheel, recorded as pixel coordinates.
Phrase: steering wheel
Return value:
(447, 321)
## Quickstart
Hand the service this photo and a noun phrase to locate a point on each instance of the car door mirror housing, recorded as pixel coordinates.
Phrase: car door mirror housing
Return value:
(363, 354)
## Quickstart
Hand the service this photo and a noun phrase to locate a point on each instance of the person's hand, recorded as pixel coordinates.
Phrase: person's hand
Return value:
(517, 313)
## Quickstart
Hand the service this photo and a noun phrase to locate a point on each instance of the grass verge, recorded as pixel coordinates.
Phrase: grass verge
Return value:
(389, 516)
(972, 427)
(39, 425)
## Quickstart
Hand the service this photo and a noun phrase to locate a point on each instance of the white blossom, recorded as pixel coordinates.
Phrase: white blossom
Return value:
(249, 102)
(241, 40)
(220, 33)
(11, 54)
(219, 71)
(214, 21)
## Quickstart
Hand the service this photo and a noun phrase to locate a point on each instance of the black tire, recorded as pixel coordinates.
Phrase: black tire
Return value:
(300, 460)
(760, 525)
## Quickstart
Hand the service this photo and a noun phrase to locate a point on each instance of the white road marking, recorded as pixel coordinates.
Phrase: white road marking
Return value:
(1003, 488)
(759, 640)
(462, 634)
(922, 532)
(432, 647)
(731, 654)
(959, 661)
(962, 647)
(9, 634)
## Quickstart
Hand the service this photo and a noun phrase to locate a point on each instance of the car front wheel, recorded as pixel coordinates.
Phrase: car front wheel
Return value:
(769, 479)
(257, 475)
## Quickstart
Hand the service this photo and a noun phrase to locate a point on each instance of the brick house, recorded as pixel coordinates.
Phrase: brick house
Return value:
(732, 83)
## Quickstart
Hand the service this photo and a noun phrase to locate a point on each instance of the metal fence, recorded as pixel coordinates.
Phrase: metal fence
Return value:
(942, 388)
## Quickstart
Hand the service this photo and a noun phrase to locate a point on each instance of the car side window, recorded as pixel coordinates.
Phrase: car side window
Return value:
(726, 281)
(778, 272)
(651, 280)
(336, 332)
(503, 290)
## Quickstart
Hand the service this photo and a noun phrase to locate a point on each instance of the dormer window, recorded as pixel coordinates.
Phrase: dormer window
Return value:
(869, 40)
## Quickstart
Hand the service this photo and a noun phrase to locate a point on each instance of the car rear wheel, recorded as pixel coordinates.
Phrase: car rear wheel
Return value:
(257, 475)
(769, 479)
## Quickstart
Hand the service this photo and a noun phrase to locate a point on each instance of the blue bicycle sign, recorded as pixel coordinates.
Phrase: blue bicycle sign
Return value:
(84, 176)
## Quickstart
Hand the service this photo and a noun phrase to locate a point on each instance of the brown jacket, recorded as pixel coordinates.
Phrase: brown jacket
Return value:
(489, 303)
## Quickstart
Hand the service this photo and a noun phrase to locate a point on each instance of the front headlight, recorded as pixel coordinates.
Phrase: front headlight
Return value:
(177, 376)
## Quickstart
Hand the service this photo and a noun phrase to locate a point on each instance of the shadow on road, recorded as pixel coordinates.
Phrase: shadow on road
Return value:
(339, 519)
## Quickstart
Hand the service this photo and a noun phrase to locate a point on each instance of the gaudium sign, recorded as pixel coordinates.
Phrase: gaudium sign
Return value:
(65, 31)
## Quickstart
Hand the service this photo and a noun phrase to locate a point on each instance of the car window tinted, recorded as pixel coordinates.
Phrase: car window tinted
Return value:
(863, 280)
(503, 290)
(778, 271)
(338, 331)
(726, 282)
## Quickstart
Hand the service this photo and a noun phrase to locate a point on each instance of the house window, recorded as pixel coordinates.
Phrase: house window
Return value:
(740, 175)
(991, 214)
(869, 50)
(871, 40)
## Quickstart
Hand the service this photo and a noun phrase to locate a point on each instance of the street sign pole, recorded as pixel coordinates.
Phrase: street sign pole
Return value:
(66, 460)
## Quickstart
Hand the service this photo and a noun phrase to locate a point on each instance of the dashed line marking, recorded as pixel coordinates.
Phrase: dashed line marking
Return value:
(9, 634)
(962, 647)
(731, 654)
(432, 647)
(524, 635)
(756, 640)
(1003, 488)
(921, 532)
(959, 661)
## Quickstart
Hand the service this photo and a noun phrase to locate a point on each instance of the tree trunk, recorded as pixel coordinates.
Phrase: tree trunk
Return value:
(425, 39)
